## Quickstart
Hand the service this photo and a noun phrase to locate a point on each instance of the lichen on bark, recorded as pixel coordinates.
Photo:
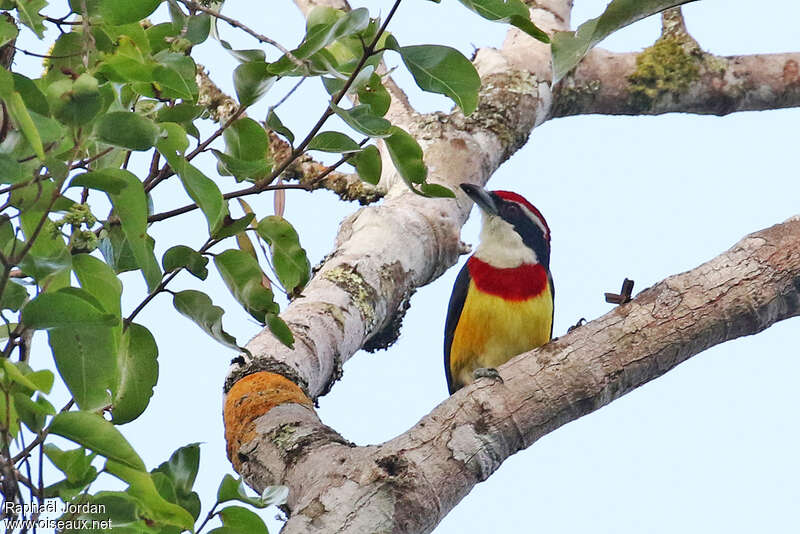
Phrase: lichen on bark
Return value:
(667, 68)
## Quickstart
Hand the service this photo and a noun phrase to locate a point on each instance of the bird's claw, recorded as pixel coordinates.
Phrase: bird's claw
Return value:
(487, 372)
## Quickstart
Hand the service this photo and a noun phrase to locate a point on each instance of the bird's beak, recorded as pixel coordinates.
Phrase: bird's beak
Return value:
(481, 197)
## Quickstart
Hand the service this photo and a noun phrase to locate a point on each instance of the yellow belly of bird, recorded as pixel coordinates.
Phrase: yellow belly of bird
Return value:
(492, 330)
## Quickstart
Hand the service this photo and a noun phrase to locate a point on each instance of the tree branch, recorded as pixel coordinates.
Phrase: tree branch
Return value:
(357, 299)
(675, 75)
(409, 484)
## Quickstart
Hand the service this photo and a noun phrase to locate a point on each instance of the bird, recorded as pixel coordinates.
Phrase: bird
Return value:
(502, 300)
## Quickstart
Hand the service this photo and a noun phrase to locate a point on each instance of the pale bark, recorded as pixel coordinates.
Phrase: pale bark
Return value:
(725, 84)
(407, 485)
(383, 253)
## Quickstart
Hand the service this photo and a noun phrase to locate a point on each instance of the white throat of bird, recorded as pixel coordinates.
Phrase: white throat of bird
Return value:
(501, 246)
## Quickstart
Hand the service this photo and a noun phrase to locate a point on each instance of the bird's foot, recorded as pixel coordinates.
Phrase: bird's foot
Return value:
(487, 372)
(580, 323)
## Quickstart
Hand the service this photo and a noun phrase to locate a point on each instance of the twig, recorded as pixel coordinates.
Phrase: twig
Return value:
(166, 172)
(236, 24)
(287, 95)
(296, 152)
(39, 437)
(163, 285)
(45, 56)
(84, 162)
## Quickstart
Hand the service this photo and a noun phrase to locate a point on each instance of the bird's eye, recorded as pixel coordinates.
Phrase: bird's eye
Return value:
(512, 209)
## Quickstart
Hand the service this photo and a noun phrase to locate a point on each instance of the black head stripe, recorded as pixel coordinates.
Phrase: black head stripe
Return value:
(532, 234)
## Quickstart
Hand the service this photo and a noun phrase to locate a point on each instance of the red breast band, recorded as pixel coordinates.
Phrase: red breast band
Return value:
(518, 283)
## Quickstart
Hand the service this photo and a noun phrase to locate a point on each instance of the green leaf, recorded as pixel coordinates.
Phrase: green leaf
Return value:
(14, 296)
(75, 102)
(95, 433)
(232, 227)
(333, 85)
(6, 329)
(251, 81)
(246, 139)
(121, 508)
(74, 463)
(130, 205)
(41, 380)
(204, 192)
(97, 278)
(375, 95)
(240, 519)
(137, 374)
(323, 28)
(436, 191)
(175, 76)
(275, 124)
(231, 489)
(363, 120)
(127, 130)
(181, 256)
(243, 277)
(11, 172)
(14, 374)
(29, 15)
(198, 307)
(568, 48)
(8, 30)
(117, 249)
(67, 307)
(333, 142)
(175, 141)
(67, 490)
(81, 336)
(280, 330)
(31, 94)
(406, 155)
(179, 113)
(33, 413)
(155, 506)
(514, 12)
(19, 112)
(125, 11)
(368, 164)
(198, 28)
(288, 258)
(182, 467)
(241, 169)
(444, 70)
(86, 359)
(107, 182)
(10, 418)
(181, 470)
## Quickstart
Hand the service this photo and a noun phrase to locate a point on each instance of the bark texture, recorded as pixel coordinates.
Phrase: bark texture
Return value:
(408, 484)
(383, 253)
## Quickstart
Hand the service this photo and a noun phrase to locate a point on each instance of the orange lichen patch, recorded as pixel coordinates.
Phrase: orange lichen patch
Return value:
(250, 398)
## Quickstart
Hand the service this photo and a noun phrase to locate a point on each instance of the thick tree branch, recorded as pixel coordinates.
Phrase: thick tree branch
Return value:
(407, 485)
(676, 75)
(383, 253)
(607, 83)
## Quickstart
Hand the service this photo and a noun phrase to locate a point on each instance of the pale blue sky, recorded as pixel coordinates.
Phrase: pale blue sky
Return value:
(710, 447)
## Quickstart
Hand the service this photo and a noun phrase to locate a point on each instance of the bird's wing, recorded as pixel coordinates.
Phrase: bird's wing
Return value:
(553, 297)
(457, 299)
